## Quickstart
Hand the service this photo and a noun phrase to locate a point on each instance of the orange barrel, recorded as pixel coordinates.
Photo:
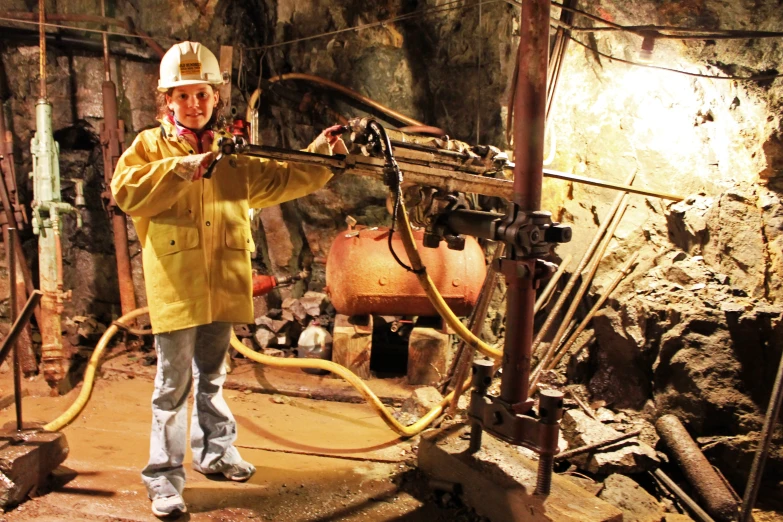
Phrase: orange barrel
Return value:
(362, 277)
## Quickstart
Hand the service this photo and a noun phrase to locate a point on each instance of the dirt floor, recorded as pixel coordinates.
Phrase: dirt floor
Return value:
(316, 459)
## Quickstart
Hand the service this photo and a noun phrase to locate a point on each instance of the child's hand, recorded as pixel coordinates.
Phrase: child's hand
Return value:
(333, 136)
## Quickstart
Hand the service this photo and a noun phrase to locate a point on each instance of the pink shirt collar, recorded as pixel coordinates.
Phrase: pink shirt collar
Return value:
(202, 143)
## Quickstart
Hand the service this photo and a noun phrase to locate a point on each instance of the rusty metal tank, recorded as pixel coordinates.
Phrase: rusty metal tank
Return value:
(362, 277)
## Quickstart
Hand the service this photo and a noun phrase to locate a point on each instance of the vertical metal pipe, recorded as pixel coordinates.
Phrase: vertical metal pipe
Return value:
(530, 104)
(11, 219)
(757, 469)
(529, 122)
(111, 140)
(518, 348)
(25, 285)
(106, 62)
(42, 48)
(558, 53)
(11, 258)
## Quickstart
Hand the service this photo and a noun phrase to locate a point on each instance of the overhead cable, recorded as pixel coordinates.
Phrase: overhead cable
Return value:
(758, 77)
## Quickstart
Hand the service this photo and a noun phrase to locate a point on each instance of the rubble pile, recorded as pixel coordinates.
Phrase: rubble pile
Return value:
(277, 331)
(698, 332)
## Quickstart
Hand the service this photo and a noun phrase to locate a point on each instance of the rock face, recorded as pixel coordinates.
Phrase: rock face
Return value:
(636, 504)
(701, 329)
(630, 456)
(738, 233)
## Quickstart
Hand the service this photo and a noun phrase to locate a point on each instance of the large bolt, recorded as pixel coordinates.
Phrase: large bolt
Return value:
(550, 410)
(557, 233)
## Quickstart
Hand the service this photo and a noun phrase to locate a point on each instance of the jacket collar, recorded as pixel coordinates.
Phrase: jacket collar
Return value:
(172, 132)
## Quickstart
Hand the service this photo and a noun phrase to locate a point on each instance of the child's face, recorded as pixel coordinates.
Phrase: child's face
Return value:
(193, 104)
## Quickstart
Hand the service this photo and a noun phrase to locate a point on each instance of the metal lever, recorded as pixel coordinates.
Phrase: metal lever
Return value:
(227, 147)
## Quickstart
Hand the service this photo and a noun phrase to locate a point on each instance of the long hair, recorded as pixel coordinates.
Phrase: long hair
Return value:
(218, 120)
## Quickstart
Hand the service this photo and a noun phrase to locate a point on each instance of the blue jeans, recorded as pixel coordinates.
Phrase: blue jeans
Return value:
(184, 356)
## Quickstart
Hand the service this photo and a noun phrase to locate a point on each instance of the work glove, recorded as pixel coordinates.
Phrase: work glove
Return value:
(333, 137)
(193, 167)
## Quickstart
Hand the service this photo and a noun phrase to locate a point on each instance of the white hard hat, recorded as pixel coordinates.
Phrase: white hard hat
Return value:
(188, 63)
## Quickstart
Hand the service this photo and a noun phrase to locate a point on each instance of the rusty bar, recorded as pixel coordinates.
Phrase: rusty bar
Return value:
(529, 122)
(530, 104)
(574, 178)
(580, 293)
(111, 140)
(624, 271)
(8, 170)
(11, 258)
(470, 179)
(672, 486)
(105, 36)
(29, 363)
(476, 324)
(521, 301)
(757, 469)
(597, 445)
(718, 500)
(42, 48)
(18, 325)
(558, 51)
(11, 220)
(583, 263)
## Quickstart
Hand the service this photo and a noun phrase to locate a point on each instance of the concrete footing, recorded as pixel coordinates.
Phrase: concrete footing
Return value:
(26, 459)
(498, 482)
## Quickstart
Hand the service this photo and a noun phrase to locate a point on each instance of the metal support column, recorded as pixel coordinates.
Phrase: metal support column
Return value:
(112, 137)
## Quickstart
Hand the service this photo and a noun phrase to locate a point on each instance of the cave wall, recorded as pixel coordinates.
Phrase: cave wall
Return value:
(450, 67)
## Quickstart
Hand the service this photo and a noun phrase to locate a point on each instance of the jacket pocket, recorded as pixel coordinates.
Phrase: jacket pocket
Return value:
(238, 237)
(172, 236)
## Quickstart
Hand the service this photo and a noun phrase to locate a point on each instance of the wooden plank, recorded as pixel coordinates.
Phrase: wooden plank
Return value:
(498, 482)
(26, 461)
(428, 354)
(352, 343)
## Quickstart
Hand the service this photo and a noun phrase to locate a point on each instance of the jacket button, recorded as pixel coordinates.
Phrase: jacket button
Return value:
(172, 242)
(248, 241)
(208, 223)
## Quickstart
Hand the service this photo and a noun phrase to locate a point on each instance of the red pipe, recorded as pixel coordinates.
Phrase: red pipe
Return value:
(263, 284)
(111, 140)
(529, 122)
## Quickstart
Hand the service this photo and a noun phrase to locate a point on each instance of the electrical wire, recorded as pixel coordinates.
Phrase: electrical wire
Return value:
(663, 32)
(758, 77)
(658, 31)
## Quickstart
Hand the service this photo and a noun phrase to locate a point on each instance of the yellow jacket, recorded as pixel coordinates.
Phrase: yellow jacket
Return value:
(195, 235)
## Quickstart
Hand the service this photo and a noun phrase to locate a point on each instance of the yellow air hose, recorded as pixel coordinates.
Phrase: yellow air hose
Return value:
(409, 242)
(89, 374)
(435, 297)
(405, 431)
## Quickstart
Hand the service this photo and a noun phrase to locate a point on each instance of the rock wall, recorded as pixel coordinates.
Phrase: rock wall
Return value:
(449, 65)
(698, 328)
